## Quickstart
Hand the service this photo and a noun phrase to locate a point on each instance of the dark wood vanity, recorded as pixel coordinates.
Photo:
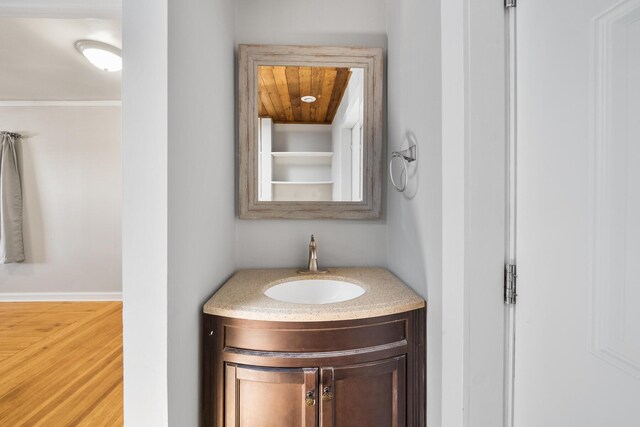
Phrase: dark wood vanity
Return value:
(367, 372)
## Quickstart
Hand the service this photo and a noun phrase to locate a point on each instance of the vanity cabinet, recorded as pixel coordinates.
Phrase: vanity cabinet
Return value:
(263, 397)
(349, 373)
(370, 394)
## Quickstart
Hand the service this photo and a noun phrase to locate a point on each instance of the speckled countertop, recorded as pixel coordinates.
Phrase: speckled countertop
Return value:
(243, 296)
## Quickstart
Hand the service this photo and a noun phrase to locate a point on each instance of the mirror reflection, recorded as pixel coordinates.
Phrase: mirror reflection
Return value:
(310, 133)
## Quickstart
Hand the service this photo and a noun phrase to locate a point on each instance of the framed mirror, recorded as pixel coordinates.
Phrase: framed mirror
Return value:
(310, 132)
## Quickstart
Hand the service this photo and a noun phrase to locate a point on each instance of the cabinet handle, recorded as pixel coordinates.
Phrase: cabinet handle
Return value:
(326, 394)
(310, 400)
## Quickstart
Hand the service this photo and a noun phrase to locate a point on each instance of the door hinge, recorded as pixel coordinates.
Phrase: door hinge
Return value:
(509, 3)
(510, 276)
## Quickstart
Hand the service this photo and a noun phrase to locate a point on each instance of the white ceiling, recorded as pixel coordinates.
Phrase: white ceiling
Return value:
(39, 60)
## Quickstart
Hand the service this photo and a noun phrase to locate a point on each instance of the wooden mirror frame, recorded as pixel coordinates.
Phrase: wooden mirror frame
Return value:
(252, 56)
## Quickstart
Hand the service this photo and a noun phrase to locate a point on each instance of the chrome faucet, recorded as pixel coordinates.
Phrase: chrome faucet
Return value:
(312, 266)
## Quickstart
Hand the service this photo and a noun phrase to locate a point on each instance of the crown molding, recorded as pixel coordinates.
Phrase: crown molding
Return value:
(27, 103)
(61, 9)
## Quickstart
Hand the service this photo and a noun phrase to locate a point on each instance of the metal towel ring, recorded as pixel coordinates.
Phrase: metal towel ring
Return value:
(405, 156)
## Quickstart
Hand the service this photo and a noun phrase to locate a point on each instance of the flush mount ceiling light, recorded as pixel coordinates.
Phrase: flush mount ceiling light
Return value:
(308, 99)
(102, 55)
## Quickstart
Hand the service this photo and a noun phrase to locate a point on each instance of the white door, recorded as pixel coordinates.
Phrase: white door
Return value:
(578, 312)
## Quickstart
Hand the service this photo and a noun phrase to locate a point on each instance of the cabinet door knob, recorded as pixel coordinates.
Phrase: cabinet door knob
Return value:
(310, 400)
(326, 394)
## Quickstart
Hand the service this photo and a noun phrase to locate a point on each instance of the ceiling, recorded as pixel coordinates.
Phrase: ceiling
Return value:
(281, 87)
(40, 62)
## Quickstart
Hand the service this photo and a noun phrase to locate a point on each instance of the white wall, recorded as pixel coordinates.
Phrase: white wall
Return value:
(454, 144)
(71, 183)
(473, 218)
(144, 212)
(284, 243)
(201, 184)
(485, 207)
(414, 218)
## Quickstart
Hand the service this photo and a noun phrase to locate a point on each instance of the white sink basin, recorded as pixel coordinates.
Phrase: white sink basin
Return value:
(314, 291)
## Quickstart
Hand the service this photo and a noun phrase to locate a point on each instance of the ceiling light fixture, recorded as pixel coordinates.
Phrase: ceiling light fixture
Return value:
(308, 99)
(102, 55)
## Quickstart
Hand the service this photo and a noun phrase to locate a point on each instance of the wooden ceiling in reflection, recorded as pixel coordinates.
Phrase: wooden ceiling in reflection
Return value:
(281, 87)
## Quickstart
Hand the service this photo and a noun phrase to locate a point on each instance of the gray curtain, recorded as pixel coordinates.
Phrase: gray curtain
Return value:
(11, 246)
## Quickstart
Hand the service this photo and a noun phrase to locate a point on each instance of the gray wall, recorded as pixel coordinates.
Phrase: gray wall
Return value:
(178, 216)
(278, 243)
(414, 251)
(201, 190)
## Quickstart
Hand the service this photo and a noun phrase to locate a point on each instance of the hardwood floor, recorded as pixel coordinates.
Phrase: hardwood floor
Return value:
(61, 364)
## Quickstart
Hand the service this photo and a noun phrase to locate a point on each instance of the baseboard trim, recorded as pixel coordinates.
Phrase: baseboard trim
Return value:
(59, 296)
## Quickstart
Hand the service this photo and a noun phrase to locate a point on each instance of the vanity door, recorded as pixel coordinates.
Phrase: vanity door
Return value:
(365, 395)
(269, 397)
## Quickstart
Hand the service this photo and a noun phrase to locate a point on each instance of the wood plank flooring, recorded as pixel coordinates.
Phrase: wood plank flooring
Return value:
(61, 364)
